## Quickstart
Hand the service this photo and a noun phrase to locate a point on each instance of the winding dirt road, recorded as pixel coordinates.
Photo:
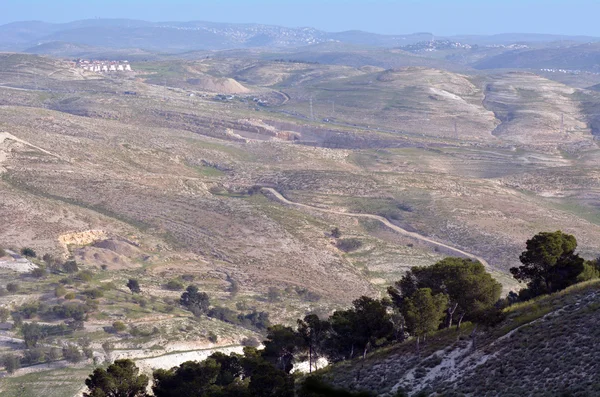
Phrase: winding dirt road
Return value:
(383, 220)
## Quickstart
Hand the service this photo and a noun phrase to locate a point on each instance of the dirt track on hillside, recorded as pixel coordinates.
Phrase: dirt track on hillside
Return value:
(383, 220)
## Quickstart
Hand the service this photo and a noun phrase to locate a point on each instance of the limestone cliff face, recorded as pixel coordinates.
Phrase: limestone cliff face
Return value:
(80, 238)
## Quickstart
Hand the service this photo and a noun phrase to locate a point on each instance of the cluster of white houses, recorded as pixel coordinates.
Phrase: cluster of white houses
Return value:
(104, 66)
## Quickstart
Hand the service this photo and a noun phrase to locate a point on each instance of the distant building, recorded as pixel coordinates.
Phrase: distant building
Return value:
(102, 66)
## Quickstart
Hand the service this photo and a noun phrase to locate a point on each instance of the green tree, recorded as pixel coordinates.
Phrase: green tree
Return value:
(549, 263)
(195, 301)
(12, 287)
(11, 363)
(70, 266)
(119, 326)
(590, 271)
(72, 354)
(313, 332)
(120, 379)
(282, 346)
(372, 322)
(469, 287)
(316, 387)
(190, 379)
(32, 333)
(424, 312)
(134, 286)
(4, 314)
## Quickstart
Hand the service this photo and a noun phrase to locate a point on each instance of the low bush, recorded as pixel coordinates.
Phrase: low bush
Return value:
(349, 244)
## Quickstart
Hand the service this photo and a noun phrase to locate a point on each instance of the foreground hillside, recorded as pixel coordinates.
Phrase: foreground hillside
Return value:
(544, 347)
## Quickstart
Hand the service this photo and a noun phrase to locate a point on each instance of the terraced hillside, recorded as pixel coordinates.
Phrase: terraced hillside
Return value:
(171, 181)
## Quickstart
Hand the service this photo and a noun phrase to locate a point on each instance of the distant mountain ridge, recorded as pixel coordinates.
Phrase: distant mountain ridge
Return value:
(182, 36)
(200, 35)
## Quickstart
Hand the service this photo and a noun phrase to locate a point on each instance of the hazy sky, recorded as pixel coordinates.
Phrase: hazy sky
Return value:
(442, 17)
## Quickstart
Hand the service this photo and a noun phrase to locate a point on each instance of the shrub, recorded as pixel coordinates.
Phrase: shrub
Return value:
(174, 285)
(134, 286)
(72, 354)
(107, 286)
(85, 275)
(38, 272)
(29, 310)
(4, 314)
(70, 295)
(336, 233)
(12, 287)
(2, 252)
(70, 267)
(93, 293)
(349, 244)
(11, 363)
(28, 252)
(273, 295)
(119, 326)
(213, 337)
(34, 356)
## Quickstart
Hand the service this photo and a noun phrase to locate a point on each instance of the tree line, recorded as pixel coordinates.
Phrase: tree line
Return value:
(425, 299)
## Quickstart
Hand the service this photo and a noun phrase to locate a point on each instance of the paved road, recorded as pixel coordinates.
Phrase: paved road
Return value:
(382, 220)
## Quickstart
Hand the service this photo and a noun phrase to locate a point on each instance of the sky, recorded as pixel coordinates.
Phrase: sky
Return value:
(441, 17)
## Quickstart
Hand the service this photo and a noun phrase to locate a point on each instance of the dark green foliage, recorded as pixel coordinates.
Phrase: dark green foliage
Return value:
(2, 252)
(34, 332)
(34, 356)
(11, 363)
(336, 232)
(549, 263)
(313, 332)
(4, 314)
(70, 267)
(28, 252)
(72, 354)
(29, 310)
(196, 302)
(282, 346)
(134, 286)
(349, 244)
(95, 293)
(76, 311)
(120, 379)
(119, 326)
(424, 311)
(316, 387)
(466, 283)
(590, 271)
(357, 329)
(174, 285)
(12, 287)
(85, 275)
(38, 272)
(273, 295)
(221, 375)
